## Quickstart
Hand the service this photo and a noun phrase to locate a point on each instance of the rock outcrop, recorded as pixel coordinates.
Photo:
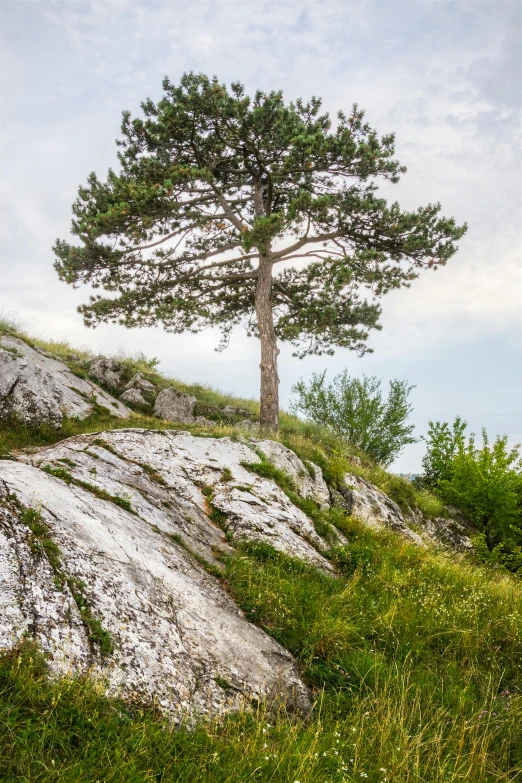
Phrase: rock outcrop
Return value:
(37, 387)
(172, 405)
(366, 502)
(139, 522)
(174, 634)
(451, 533)
(131, 512)
(308, 480)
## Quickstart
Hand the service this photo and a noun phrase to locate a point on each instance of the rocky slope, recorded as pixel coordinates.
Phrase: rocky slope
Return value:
(129, 513)
(111, 543)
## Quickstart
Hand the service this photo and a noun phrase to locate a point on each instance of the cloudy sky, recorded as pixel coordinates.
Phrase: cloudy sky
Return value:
(445, 76)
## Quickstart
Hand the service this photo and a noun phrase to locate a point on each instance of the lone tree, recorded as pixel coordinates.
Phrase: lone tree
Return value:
(231, 210)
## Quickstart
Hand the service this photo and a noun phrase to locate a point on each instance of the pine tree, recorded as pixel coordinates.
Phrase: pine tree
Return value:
(229, 209)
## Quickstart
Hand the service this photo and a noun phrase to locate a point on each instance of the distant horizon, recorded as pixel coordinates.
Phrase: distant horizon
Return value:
(443, 76)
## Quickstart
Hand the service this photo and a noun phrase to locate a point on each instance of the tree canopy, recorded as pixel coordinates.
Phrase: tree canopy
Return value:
(228, 209)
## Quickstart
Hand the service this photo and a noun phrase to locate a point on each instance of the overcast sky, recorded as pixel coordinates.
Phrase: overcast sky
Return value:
(445, 76)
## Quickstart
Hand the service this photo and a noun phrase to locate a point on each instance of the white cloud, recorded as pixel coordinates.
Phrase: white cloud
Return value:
(442, 75)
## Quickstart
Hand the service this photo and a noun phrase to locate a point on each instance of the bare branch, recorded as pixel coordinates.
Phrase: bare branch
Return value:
(282, 254)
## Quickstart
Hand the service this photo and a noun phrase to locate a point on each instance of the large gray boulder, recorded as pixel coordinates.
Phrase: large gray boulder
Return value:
(177, 636)
(367, 503)
(173, 405)
(108, 371)
(37, 387)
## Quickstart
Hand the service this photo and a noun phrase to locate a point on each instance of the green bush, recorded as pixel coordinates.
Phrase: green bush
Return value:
(356, 410)
(443, 443)
(484, 482)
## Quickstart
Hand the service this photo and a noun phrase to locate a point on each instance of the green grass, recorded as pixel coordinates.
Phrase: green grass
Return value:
(414, 660)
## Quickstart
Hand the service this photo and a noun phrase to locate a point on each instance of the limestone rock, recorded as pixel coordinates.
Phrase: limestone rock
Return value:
(38, 387)
(134, 396)
(450, 532)
(230, 410)
(108, 371)
(176, 633)
(141, 384)
(204, 422)
(182, 464)
(173, 405)
(367, 503)
(249, 426)
(310, 482)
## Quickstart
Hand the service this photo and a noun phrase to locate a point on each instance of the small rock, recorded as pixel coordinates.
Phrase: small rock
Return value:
(134, 396)
(107, 371)
(173, 405)
(204, 422)
(140, 383)
(230, 410)
(250, 426)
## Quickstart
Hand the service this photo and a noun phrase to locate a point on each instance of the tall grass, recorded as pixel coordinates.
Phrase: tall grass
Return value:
(414, 660)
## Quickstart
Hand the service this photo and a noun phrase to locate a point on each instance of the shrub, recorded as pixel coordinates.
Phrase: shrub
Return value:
(486, 484)
(356, 410)
(442, 443)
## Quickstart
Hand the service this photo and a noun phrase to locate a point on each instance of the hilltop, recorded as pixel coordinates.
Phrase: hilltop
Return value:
(193, 600)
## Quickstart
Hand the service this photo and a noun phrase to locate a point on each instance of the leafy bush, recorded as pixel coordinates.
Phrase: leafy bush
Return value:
(356, 410)
(485, 483)
(499, 556)
(443, 443)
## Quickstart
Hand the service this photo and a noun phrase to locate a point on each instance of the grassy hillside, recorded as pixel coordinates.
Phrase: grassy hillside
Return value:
(308, 440)
(414, 659)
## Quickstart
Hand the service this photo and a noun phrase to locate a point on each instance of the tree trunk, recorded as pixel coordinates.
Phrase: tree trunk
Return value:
(265, 320)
